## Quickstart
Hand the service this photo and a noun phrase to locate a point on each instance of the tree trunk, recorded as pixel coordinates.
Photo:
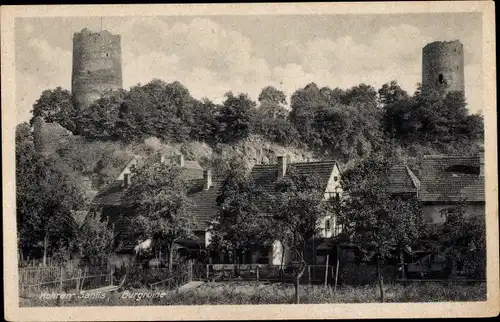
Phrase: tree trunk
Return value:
(300, 272)
(282, 266)
(170, 259)
(45, 246)
(297, 298)
(380, 281)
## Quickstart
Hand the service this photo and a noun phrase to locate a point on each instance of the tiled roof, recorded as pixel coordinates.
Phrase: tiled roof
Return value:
(440, 180)
(402, 180)
(111, 193)
(265, 176)
(203, 203)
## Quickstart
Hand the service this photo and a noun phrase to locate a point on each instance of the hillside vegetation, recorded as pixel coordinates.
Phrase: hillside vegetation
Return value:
(318, 123)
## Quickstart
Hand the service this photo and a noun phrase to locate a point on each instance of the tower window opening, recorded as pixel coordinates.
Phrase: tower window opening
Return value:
(441, 79)
(107, 55)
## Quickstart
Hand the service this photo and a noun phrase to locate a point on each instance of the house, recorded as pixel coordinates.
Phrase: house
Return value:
(328, 173)
(112, 208)
(442, 183)
(203, 191)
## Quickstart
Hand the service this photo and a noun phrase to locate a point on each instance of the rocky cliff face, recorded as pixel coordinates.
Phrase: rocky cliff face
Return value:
(251, 151)
(51, 137)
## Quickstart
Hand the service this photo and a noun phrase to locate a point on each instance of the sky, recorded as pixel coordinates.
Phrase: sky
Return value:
(212, 55)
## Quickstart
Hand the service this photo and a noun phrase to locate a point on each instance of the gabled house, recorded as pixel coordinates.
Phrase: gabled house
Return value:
(442, 183)
(203, 191)
(328, 173)
(112, 208)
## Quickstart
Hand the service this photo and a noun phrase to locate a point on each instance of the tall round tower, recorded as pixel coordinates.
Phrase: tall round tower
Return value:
(97, 65)
(443, 66)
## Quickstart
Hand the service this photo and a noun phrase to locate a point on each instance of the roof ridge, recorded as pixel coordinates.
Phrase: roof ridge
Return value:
(413, 177)
(450, 156)
(293, 163)
(321, 161)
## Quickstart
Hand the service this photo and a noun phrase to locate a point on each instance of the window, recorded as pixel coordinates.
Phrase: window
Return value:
(463, 168)
(327, 226)
(335, 178)
(441, 79)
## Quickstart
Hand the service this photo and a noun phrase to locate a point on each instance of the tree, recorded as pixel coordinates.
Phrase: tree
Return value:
(204, 125)
(272, 103)
(437, 120)
(158, 197)
(305, 104)
(235, 117)
(380, 224)
(240, 226)
(362, 96)
(101, 120)
(391, 93)
(295, 208)
(46, 195)
(55, 105)
(94, 239)
(465, 238)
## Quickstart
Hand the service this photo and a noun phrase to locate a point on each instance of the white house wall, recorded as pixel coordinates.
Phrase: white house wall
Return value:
(331, 187)
(127, 169)
(276, 254)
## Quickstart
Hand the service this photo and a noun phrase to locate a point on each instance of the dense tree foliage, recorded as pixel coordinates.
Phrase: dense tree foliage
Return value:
(46, 195)
(240, 226)
(158, 197)
(381, 225)
(296, 208)
(345, 124)
(338, 123)
(463, 240)
(234, 118)
(56, 106)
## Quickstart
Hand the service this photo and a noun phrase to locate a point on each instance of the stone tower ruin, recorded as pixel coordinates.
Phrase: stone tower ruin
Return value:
(443, 67)
(97, 65)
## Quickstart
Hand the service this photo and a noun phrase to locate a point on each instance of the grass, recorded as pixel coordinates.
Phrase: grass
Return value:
(261, 293)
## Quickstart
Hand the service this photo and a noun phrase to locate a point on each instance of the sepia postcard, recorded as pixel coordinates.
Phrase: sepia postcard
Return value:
(249, 161)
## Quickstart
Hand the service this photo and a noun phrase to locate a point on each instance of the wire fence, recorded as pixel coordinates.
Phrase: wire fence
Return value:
(34, 280)
(62, 279)
(313, 274)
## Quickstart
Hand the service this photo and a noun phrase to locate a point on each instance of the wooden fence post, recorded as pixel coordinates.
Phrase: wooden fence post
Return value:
(309, 274)
(78, 281)
(257, 272)
(207, 271)
(190, 276)
(61, 280)
(326, 270)
(336, 275)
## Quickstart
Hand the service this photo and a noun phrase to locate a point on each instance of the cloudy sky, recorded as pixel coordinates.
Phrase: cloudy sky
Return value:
(214, 54)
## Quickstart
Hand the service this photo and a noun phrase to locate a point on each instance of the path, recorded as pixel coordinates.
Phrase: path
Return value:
(104, 289)
(189, 286)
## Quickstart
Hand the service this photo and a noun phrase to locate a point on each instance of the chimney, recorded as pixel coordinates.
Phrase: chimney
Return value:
(207, 179)
(481, 161)
(281, 166)
(180, 160)
(126, 180)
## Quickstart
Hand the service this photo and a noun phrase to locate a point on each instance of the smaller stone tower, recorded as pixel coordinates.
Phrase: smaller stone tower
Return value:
(443, 67)
(97, 65)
